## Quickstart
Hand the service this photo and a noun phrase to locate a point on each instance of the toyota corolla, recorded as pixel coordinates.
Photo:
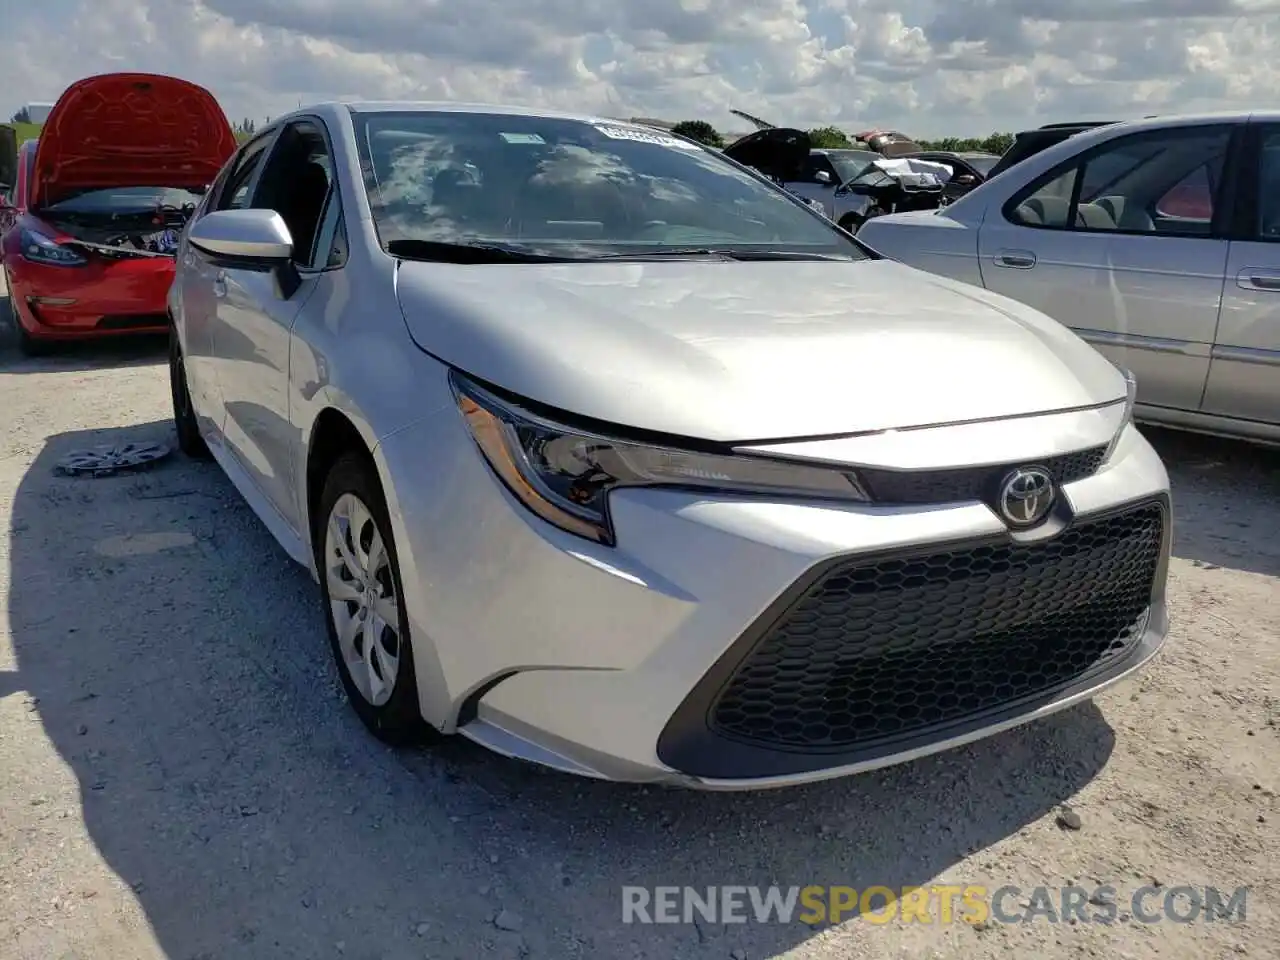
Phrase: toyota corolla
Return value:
(610, 455)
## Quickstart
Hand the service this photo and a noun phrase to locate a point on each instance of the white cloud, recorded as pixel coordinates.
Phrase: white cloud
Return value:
(931, 67)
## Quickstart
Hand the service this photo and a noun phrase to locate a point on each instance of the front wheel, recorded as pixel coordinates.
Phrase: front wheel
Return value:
(31, 346)
(184, 416)
(364, 605)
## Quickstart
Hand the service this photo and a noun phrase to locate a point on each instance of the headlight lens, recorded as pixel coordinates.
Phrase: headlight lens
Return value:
(565, 475)
(1131, 398)
(38, 248)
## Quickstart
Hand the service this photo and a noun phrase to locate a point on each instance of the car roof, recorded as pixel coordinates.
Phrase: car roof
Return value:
(446, 106)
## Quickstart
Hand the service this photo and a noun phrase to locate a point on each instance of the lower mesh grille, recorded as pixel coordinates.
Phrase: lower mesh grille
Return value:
(132, 321)
(884, 649)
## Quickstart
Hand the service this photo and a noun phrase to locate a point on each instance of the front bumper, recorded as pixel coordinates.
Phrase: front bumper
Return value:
(101, 299)
(609, 662)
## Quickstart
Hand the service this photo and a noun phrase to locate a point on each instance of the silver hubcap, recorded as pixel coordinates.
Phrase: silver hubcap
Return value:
(362, 599)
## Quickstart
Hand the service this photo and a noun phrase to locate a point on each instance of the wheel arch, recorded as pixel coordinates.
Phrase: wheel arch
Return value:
(336, 432)
(333, 434)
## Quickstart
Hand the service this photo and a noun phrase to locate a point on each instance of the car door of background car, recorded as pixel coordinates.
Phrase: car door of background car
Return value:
(1090, 244)
(200, 282)
(256, 314)
(811, 187)
(1244, 375)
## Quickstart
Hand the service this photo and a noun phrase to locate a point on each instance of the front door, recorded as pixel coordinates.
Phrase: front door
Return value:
(1244, 375)
(256, 315)
(1093, 245)
(200, 287)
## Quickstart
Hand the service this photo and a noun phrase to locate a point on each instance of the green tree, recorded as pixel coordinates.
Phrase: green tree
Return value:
(699, 130)
(998, 143)
(829, 138)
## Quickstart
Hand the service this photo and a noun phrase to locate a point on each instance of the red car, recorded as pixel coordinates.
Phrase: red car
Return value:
(101, 199)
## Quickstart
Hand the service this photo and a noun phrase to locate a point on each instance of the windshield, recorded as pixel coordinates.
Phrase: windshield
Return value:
(573, 189)
(851, 163)
(122, 201)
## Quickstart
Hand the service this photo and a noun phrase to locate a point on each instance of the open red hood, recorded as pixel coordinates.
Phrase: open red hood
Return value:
(130, 130)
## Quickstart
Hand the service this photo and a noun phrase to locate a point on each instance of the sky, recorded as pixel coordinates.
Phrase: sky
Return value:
(930, 67)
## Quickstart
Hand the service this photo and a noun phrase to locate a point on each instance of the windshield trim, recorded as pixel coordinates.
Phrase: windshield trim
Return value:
(844, 244)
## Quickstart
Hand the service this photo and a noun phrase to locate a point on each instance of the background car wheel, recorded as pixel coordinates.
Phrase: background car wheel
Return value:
(364, 603)
(184, 416)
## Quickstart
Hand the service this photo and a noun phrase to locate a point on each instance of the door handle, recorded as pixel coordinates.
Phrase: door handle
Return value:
(220, 284)
(1017, 259)
(1258, 278)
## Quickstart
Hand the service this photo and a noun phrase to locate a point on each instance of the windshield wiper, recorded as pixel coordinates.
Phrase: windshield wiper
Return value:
(690, 253)
(442, 251)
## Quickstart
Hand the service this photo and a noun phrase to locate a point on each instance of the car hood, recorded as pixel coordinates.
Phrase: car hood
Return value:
(130, 130)
(778, 152)
(751, 351)
(8, 155)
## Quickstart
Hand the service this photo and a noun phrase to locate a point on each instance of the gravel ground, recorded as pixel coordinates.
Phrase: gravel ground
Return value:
(180, 778)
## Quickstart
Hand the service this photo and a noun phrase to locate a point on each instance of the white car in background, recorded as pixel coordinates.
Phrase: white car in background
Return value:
(1156, 240)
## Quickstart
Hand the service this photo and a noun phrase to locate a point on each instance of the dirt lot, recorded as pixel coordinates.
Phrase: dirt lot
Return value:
(179, 777)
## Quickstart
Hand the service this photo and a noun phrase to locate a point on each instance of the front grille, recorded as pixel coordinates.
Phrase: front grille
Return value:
(132, 321)
(969, 483)
(879, 650)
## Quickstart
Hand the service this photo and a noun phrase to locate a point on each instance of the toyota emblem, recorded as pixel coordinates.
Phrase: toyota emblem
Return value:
(1026, 496)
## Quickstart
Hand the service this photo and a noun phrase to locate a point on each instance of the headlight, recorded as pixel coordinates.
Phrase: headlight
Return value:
(565, 475)
(1130, 398)
(38, 248)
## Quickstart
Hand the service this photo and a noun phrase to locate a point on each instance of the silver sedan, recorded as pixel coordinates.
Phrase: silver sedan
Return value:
(1157, 240)
(611, 455)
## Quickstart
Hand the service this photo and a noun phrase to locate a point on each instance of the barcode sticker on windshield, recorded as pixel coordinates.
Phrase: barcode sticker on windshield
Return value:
(532, 138)
(646, 136)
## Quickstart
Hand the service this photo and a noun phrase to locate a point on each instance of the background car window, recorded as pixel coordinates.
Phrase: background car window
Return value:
(295, 183)
(1050, 205)
(1269, 188)
(1135, 185)
(818, 163)
(1192, 198)
(571, 188)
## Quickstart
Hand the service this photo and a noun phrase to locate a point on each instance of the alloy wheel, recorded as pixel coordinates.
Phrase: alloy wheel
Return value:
(362, 599)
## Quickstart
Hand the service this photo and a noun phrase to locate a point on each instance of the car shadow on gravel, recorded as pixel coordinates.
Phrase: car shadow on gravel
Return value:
(125, 351)
(177, 661)
(1226, 500)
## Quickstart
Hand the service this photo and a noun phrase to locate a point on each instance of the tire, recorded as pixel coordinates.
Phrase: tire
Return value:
(386, 701)
(31, 346)
(184, 416)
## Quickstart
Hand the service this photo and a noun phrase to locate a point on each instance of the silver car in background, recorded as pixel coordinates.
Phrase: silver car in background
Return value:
(1157, 240)
(612, 456)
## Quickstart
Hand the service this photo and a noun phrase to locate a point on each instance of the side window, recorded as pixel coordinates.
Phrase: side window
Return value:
(1269, 187)
(1192, 199)
(331, 241)
(235, 195)
(1135, 184)
(818, 163)
(1049, 205)
(295, 183)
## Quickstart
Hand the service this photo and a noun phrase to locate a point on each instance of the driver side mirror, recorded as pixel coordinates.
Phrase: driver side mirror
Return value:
(245, 239)
(823, 177)
(255, 240)
(965, 180)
